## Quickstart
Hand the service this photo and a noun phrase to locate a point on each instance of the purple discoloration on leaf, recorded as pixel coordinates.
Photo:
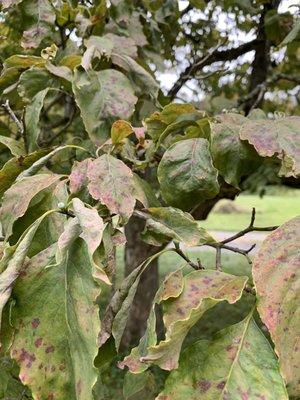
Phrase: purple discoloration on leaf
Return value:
(49, 349)
(203, 386)
(277, 266)
(280, 138)
(200, 291)
(35, 323)
(111, 182)
(38, 342)
(78, 177)
(17, 198)
(206, 372)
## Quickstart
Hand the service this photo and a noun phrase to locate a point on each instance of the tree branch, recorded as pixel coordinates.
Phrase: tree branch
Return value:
(20, 125)
(215, 55)
(186, 258)
(250, 228)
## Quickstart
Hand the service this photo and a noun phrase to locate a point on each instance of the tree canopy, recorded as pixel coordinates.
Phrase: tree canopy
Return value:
(90, 140)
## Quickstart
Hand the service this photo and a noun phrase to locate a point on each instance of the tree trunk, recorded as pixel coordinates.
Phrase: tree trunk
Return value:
(136, 251)
(262, 63)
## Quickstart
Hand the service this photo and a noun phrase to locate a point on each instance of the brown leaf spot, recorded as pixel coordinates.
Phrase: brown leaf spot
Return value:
(203, 386)
(221, 385)
(49, 349)
(35, 323)
(38, 342)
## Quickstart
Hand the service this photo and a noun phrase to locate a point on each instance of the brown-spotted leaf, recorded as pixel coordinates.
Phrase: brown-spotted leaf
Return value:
(111, 182)
(55, 340)
(276, 273)
(279, 138)
(17, 198)
(238, 363)
(12, 262)
(202, 290)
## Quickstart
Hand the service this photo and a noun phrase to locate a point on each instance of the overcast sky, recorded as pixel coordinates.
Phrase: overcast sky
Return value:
(225, 24)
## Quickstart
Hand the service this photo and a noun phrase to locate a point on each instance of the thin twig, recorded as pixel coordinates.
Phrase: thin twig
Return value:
(18, 123)
(186, 258)
(250, 228)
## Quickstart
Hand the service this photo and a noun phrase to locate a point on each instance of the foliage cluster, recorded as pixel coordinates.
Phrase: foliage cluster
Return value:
(77, 74)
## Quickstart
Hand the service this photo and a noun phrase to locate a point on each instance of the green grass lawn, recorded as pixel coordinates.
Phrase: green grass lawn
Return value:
(270, 210)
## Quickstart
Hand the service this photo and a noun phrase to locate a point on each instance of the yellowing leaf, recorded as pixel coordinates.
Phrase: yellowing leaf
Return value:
(120, 130)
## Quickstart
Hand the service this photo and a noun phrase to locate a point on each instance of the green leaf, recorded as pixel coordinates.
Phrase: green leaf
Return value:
(11, 265)
(276, 275)
(186, 174)
(17, 198)
(120, 304)
(111, 182)
(233, 157)
(279, 138)
(143, 80)
(101, 95)
(88, 93)
(23, 61)
(110, 43)
(42, 161)
(55, 346)
(42, 18)
(120, 130)
(92, 227)
(294, 34)
(15, 146)
(33, 81)
(202, 290)
(119, 98)
(32, 117)
(140, 386)
(238, 363)
(10, 386)
(158, 122)
(144, 193)
(168, 223)
(13, 168)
